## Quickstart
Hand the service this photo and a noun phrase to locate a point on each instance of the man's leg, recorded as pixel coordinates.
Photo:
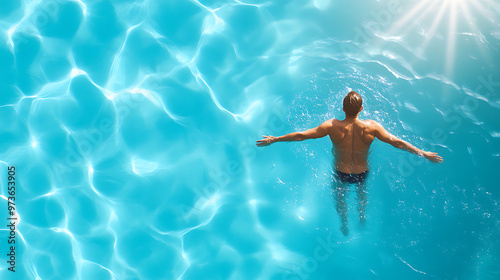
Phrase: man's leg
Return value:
(363, 201)
(341, 190)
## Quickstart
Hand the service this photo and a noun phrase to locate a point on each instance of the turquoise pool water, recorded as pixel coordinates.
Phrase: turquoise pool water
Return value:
(131, 126)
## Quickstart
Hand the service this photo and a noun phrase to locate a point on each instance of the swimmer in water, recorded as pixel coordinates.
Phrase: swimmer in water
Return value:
(351, 140)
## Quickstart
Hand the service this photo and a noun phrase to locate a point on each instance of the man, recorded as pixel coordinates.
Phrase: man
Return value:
(351, 139)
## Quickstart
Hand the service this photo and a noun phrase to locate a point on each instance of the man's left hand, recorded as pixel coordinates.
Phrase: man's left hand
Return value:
(268, 140)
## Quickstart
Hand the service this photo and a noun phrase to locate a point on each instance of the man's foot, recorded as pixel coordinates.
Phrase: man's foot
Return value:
(345, 230)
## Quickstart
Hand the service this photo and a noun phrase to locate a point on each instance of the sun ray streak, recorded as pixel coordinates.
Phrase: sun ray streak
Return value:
(474, 29)
(450, 50)
(396, 27)
(427, 11)
(409, 16)
(434, 26)
(484, 12)
(430, 18)
(494, 5)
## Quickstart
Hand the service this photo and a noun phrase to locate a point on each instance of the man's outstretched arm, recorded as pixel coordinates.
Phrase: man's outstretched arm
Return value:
(383, 135)
(312, 133)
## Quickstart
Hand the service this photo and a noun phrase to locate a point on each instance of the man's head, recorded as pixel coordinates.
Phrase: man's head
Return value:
(352, 104)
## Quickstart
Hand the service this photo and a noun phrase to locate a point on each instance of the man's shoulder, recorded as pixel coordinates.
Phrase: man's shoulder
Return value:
(334, 122)
(372, 125)
(371, 122)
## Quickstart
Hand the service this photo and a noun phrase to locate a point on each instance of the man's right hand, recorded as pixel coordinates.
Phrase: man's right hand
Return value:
(434, 157)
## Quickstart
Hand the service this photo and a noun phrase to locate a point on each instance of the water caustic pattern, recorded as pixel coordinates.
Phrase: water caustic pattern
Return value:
(132, 128)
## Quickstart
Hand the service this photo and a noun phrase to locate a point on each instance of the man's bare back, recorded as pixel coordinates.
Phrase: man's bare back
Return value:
(351, 140)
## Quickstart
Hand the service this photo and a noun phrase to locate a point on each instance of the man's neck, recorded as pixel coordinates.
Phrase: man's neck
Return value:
(351, 118)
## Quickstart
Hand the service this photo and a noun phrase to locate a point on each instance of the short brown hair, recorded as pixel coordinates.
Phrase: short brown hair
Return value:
(352, 103)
